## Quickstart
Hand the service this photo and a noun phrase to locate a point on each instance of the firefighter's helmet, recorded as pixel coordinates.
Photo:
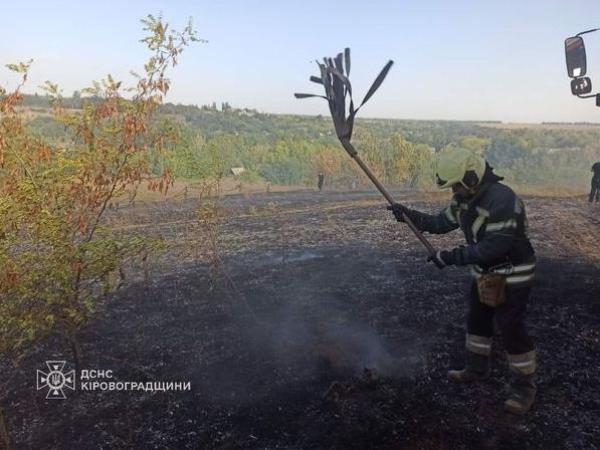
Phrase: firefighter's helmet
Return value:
(459, 165)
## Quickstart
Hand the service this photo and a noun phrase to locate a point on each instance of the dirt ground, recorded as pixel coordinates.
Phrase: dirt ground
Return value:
(311, 320)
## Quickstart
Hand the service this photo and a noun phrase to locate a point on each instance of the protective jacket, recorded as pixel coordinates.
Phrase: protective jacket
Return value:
(495, 226)
(596, 170)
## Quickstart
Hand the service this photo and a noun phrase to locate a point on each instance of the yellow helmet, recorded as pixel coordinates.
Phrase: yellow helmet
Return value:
(459, 165)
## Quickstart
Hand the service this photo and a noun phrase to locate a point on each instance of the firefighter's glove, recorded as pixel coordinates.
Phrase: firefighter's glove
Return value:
(400, 211)
(441, 259)
(448, 257)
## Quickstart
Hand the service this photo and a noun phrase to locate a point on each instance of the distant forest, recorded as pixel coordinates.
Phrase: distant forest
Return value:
(292, 149)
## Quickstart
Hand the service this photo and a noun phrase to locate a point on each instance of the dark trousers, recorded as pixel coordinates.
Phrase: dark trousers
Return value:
(510, 319)
(595, 192)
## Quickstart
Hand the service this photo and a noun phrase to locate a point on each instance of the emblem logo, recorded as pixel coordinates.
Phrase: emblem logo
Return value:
(56, 380)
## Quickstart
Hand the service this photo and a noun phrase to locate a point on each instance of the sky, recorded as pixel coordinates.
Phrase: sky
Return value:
(454, 60)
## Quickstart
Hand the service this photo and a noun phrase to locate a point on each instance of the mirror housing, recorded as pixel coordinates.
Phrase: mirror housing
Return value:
(575, 56)
(581, 86)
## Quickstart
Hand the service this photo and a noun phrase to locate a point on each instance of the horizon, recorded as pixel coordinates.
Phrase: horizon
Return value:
(326, 116)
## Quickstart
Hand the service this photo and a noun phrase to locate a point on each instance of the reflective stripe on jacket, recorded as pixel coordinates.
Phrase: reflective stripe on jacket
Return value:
(494, 223)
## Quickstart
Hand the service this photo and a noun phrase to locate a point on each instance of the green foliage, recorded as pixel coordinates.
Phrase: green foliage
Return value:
(55, 255)
(293, 149)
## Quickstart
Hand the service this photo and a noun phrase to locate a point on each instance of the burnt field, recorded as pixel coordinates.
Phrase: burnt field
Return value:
(306, 320)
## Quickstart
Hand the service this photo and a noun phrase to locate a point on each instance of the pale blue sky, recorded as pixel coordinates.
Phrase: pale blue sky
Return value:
(495, 60)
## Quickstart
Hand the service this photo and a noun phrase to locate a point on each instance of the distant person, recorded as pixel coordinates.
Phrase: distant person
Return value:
(595, 192)
(320, 181)
(502, 262)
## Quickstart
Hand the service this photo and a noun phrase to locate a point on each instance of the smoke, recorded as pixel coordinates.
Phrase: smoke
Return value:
(304, 330)
(332, 344)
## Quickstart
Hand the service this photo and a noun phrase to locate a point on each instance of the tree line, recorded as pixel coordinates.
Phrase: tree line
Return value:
(291, 150)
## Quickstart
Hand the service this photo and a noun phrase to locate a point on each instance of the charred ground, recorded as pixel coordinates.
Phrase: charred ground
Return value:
(303, 292)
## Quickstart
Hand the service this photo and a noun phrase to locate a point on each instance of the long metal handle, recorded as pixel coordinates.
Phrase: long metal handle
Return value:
(354, 154)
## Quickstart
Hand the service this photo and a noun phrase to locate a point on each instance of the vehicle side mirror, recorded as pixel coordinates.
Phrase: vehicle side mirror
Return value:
(581, 86)
(575, 54)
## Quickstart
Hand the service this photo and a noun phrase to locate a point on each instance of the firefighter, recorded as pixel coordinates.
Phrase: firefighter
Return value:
(595, 192)
(502, 262)
(320, 180)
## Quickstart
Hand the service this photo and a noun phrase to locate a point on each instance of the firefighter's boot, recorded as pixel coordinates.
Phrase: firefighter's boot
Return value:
(477, 368)
(477, 361)
(522, 388)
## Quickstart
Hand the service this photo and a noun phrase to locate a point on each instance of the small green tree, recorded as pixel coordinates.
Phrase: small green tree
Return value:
(55, 255)
(412, 161)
